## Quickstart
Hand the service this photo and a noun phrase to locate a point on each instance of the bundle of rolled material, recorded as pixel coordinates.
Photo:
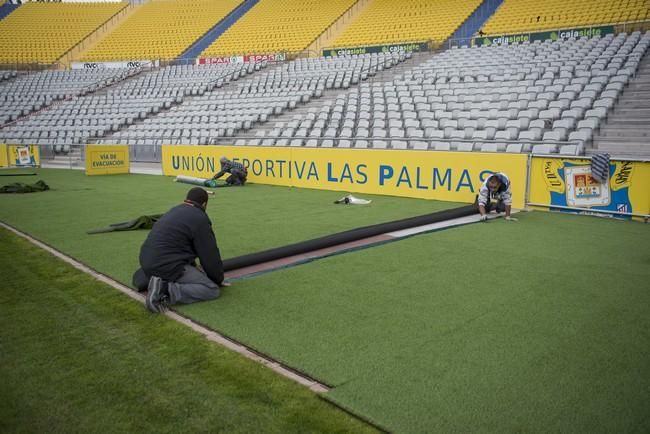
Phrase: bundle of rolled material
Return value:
(196, 181)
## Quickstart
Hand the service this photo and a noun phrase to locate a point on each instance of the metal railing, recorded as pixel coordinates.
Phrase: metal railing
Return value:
(75, 151)
(91, 37)
(337, 24)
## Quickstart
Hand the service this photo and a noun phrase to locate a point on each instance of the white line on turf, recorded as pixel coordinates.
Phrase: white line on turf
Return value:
(442, 225)
(209, 334)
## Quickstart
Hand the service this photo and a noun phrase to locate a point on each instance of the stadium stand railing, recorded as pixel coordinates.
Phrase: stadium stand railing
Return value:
(93, 38)
(337, 26)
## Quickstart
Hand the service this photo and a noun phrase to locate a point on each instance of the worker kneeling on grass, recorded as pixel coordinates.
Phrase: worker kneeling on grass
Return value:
(238, 172)
(496, 187)
(168, 256)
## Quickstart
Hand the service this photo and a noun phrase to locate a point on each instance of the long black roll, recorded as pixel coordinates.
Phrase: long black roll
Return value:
(345, 237)
(17, 174)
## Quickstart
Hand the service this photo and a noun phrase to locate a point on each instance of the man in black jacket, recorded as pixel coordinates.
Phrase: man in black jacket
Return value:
(169, 255)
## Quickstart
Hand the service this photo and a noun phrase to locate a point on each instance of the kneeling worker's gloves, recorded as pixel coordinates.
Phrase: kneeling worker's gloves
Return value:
(510, 219)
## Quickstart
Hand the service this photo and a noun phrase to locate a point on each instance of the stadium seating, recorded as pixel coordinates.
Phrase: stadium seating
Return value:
(7, 75)
(386, 22)
(530, 93)
(185, 104)
(28, 93)
(94, 114)
(223, 113)
(161, 29)
(548, 97)
(274, 26)
(516, 16)
(44, 32)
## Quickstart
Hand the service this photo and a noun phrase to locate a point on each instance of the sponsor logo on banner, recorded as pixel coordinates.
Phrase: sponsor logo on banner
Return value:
(23, 155)
(452, 176)
(503, 40)
(221, 60)
(107, 160)
(248, 58)
(131, 64)
(256, 58)
(587, 32)
(395, 48)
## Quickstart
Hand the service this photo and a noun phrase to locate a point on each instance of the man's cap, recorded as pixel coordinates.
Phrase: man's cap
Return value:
(198, 195)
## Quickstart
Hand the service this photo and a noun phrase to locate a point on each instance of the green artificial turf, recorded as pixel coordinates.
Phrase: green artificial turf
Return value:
(78, 356)
(245, 220)
(537, 326)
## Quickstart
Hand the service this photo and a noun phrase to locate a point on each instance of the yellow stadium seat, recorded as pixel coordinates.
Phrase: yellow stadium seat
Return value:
(274, 26)
(389, 22)
(514, 16)
(161, 29)
(44, 32)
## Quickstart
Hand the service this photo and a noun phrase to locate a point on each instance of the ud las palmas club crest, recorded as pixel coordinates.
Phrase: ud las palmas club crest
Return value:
(571, 184)
(24, 156)
(582, 190)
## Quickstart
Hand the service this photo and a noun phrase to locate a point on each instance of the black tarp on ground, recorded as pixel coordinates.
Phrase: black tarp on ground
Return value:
(345, 237)
(142, 222)
(19, 187)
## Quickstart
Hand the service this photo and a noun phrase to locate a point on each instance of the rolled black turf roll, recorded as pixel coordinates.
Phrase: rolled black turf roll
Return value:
(345, 237)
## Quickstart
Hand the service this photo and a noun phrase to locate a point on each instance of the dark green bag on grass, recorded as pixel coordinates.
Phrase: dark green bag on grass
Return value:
(142, 222)
(19, 187)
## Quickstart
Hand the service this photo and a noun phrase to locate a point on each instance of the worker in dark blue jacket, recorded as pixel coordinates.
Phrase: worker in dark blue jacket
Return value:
(237, 171)
(168, 256)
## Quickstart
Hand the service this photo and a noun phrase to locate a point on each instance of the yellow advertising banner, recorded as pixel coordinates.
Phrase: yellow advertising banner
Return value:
(449, 176)
(4, 160)
(568, 182)
(23, 155)
(107, 160)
